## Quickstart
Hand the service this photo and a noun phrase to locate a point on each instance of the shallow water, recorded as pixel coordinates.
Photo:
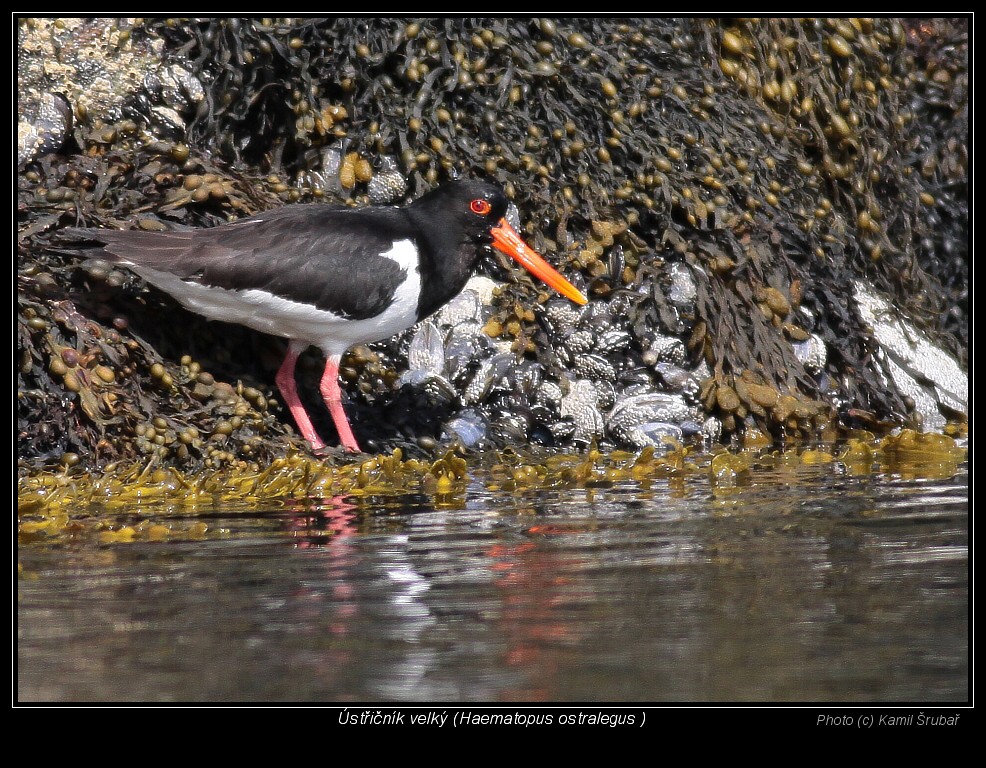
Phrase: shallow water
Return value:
(799, 586)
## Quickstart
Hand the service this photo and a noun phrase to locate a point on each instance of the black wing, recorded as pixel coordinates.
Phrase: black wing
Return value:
(327, 257)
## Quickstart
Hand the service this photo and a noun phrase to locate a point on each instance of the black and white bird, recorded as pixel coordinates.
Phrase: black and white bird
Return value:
(329, 277)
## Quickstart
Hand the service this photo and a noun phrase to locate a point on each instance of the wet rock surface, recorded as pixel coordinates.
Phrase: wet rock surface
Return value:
(717, 189)
(86, 74)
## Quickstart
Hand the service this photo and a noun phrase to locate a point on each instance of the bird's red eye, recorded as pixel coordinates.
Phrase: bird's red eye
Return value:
(480, 207)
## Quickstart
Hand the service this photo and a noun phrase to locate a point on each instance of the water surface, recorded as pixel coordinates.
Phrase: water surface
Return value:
(801, 586)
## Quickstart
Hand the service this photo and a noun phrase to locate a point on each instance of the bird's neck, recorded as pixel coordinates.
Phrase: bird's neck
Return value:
(445, 267)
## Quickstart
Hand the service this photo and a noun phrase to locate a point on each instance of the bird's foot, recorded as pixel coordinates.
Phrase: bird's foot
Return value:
(351, 446)
(336, 451)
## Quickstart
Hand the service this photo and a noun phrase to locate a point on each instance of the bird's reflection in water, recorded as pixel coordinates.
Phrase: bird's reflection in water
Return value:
(324, 523)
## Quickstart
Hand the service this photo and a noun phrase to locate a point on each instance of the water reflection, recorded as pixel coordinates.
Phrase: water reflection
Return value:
(814, 586)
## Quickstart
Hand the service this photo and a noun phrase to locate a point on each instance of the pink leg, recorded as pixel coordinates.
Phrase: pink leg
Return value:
(329, 387)
(289, 390)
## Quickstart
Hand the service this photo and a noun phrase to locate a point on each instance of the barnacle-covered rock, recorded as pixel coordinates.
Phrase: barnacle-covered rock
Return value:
(682, 290)
(427, 364)
(388, 184)
(679, 380)
(612, 340)
(489, 371)
(594, 367)
(464, 308)
(510, 427)
(666, 349)
(811, 352)
(919, 369)
(578, 343)
(98, 70)
(549, 393)
(562, 315)
(466, 345)
(469, 427)
(644, 419)
(580, 404)
(712, 429)
(43, 123)
(427, 350)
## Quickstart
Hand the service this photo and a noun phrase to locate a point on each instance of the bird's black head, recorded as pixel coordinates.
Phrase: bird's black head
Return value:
(464, 210)
(454, 222)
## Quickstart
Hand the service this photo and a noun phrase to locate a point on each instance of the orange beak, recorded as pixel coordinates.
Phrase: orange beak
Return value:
(506, 239)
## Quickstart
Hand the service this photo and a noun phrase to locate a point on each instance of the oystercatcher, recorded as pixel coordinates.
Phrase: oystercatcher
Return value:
(330, 277)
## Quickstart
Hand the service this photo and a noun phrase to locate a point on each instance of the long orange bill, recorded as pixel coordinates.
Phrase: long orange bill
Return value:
(506, 239)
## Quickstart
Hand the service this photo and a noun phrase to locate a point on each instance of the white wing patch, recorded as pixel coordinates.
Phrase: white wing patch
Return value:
(266, 312)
